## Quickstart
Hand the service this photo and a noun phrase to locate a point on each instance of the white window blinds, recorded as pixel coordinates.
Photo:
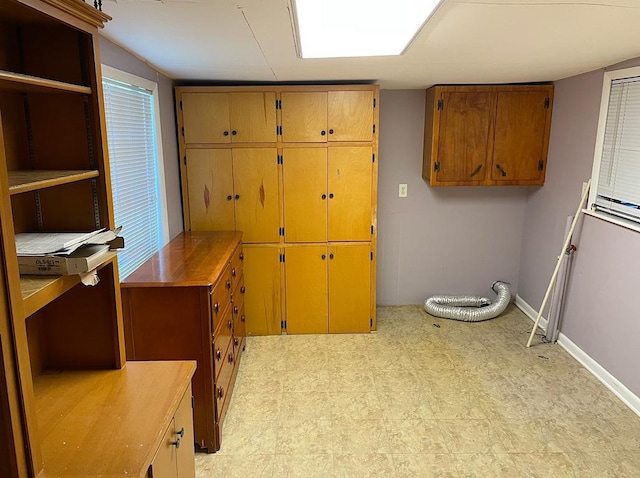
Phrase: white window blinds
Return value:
(618, 189)
(134, 174)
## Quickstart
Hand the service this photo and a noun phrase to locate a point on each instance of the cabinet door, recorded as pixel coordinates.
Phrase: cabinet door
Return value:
(183, 420)
(253, 117)
(205, 117)
(165, 463)
(304, 117)
(263, 296)
(305, 194)
(306, 289)
(463, 139)
(210, 184)
(350, 175)
(350, 115)
(255, 185)
(349, 288)
(521, 137)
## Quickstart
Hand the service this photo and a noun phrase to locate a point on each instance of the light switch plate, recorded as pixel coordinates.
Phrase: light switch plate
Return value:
(402, 190)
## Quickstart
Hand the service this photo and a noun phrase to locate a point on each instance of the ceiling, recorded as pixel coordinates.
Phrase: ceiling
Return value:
(474, 41)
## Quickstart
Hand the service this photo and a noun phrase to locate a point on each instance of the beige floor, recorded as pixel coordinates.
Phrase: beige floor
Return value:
(415, 399)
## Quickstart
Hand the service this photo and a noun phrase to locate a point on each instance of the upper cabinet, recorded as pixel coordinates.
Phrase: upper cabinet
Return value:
(233, 117)
(487, 135)
(327, 116)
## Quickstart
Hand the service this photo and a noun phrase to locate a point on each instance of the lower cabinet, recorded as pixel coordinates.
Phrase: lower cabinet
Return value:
(175, 456)
(187, 303)
(263, 278)
(328, 288)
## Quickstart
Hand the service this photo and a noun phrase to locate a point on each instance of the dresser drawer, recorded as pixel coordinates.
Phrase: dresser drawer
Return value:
(222, 338)
(236, 265)
(220, 297)
(223, 382)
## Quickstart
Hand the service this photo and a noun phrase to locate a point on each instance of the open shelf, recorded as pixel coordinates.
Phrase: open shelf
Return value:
(25, 181)
(35, 84)
(38, 291)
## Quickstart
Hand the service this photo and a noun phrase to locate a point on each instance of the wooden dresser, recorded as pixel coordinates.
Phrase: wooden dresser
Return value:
(186, 303)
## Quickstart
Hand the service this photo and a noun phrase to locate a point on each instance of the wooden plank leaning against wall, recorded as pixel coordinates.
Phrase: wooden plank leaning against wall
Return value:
(295, 169)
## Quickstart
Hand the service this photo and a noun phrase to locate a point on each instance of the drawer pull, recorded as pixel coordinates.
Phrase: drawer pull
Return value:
(216, 307)
(230, 324)
(229, 284)
(218, 354)
(235, 341)
(235, 309)
(233, 272)
(243, 318)
(181, 432)
(230, 358)
(220, 392)
(243, 290)
(176, 443)
(502, 171)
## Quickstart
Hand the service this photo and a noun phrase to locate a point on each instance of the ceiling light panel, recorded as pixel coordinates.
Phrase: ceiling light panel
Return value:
(352, 28)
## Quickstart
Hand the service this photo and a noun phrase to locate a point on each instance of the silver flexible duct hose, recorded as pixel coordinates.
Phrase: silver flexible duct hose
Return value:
(470, 308)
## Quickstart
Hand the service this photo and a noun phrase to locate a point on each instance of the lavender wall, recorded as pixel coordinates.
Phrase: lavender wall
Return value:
(114, 56)
(600, 315)
(438, 240)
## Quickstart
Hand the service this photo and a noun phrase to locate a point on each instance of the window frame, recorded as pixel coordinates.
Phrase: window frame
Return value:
(112, 73)
(609, 77)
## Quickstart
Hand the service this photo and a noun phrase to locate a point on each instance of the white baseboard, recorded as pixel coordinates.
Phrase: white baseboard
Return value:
(531, 312)
(623, 393)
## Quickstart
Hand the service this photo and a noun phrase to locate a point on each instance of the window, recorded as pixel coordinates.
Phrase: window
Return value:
(616, 169)
(135, 157)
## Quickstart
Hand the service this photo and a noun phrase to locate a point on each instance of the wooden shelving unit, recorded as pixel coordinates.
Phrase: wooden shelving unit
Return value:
(63, 371)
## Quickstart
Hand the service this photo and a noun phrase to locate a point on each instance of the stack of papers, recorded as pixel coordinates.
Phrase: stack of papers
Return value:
(64, 253)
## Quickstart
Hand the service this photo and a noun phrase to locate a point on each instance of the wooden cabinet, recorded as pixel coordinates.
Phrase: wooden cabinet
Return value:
(327, 194)
(234, 189)
(327, 288)
(187, 303)
(487, 135)
(315, 187)
(327, 116)
(62, 354)
(229, 117)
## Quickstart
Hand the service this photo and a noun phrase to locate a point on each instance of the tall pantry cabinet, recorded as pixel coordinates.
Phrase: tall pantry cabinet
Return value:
(69, 404)
(295, 169)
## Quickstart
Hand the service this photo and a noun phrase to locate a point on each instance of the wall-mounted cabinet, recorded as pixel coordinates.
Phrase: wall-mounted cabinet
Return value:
(487, 135)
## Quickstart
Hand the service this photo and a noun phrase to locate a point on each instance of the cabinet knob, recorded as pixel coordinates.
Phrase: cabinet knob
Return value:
(330, 195)
(229, 197)
(234, 132)
(226, 133)
(235, 309)
(331, 256)
(502, 171)
(242, 256)
(230, 358)
(330, 131)
(243, 289)
(243, 318)
(218, 354)
(228, 284)
(233, 272)
(235, 341)
(230, 324)
(220, 392)
(181, 432)
(237, 196)
(216, 307)
(324, 196)
(323, 132)
(323, 256)
(176, 443)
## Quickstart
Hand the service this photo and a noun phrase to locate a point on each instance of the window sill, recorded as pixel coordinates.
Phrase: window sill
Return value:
(613, 219)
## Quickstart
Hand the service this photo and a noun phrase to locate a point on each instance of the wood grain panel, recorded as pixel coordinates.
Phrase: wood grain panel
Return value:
(306, 289)
(210, 182)
(257, 198)
(350, 174)
(264, 294)
(205, 117)
(253, 117)
(349, 288)
(350, 115)
(304, 173)
(304, 117)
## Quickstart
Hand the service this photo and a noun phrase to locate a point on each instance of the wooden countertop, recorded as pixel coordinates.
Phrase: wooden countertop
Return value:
(187, 261)
(107, 423)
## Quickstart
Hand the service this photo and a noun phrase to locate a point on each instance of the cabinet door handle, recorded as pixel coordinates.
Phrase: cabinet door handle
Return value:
(234, 132)
(324, 196)
(237, 196)
(226, 133)
(176, 443)
(229, 197)
(330, 256)
(181, 432)
(330, 195)
(243, 290)
(330, 131)
(323, 132)
(216, 307)
(476, 171)
(502, 171)
(323, 256)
